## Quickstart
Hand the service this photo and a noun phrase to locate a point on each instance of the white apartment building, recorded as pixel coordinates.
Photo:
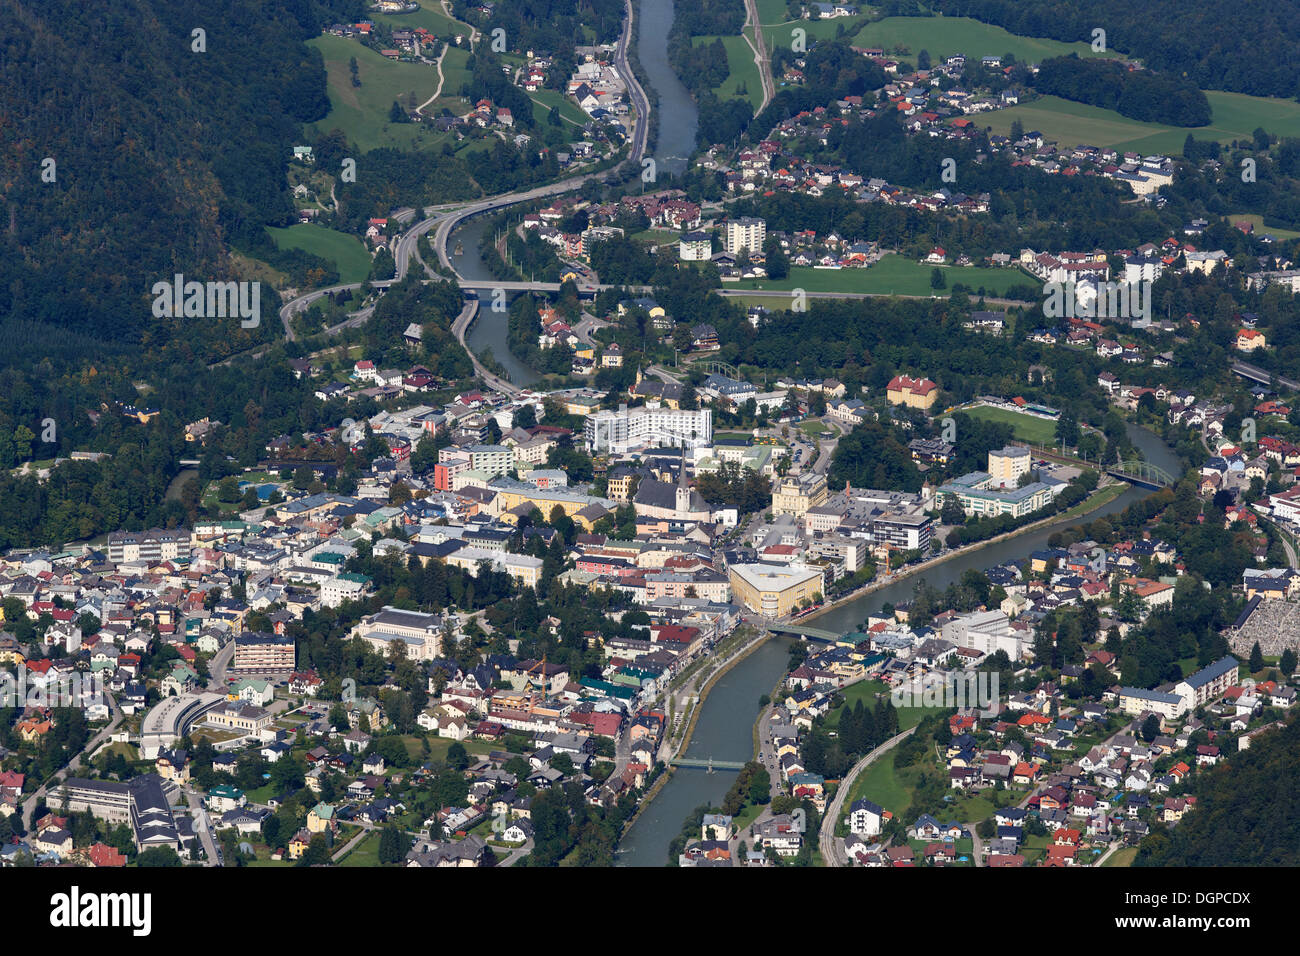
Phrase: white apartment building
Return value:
(745, 233)
(625, 430)
(1006, 465)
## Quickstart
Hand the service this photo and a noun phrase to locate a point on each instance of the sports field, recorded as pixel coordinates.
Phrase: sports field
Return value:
(892, 275)
(346, 252)
(1037, 431)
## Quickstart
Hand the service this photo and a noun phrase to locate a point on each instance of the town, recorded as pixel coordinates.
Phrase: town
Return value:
(767, 435)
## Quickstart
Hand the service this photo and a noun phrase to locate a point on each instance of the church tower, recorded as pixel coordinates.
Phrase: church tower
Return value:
(683, 501)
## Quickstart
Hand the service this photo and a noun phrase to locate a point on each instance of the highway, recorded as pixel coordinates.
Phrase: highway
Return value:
(1264, 377)
(445, 219)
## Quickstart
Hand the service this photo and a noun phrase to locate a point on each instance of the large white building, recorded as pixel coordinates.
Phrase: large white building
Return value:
(1006, 465)
(745, 233)
(621, 431)
(421, 633)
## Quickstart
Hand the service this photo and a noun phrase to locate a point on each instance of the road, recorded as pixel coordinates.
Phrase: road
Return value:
(203, 827)
(459, 328)
(1263, 376)
(761, 58)
(831, 846)
(826, 448)
(115, 718)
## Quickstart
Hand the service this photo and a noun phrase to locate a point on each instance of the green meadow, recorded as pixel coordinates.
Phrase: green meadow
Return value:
(892, 275)
(362, 112)
(347, 252)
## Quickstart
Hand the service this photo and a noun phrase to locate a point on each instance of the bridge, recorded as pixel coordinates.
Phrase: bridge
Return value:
(1141, 473)
(805, 632)
(716, 367)
(694, 763)
(1256, 374)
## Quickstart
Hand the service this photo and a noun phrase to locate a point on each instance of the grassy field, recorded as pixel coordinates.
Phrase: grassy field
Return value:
(455, 73)
(944, 36)
(741, 68)
(1235, 117)
(892, 275)
(778, 27)
(438, 747)
(1260, 229)
(1028, 428)
(429, 16)
(365, 853)
(362, 112)
(1122, 857)
(543, 100)
(347, 253)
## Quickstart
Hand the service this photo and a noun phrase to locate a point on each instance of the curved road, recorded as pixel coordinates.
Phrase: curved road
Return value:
(448, 216)
(832, 847)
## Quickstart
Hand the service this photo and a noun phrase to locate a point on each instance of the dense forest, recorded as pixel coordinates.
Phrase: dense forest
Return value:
(551, 26)
(1248, 46)
(704, 66)
(136, 150)
(1247, 813)
(1138, 94)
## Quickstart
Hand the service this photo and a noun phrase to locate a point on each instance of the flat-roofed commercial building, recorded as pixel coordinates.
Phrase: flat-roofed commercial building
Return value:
(774, 590)
(907, 532)
(259, 652)
(140, 802)
(977, 497)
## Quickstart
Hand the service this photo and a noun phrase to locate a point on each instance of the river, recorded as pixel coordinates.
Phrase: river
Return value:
(490, 329)
(674, 144)
(851, 615)
(679, 118)
(724, 731)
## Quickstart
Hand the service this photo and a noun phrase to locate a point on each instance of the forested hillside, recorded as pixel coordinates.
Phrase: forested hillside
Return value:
(163, 157)
(1248, 811)
(1247, 46)
(1138, 94)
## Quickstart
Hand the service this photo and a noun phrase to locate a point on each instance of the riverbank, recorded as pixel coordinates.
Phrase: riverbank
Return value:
(1098, 500)
(711, 680)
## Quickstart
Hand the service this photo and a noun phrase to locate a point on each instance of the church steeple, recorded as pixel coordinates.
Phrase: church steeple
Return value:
(683, 500)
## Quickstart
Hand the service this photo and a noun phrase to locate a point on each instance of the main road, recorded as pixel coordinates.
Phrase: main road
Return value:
(446, 218)
(831, 846)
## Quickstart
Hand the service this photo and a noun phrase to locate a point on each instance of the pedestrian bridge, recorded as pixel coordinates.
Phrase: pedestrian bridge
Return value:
(1141, 473)
(806, 632)
(710, 764)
